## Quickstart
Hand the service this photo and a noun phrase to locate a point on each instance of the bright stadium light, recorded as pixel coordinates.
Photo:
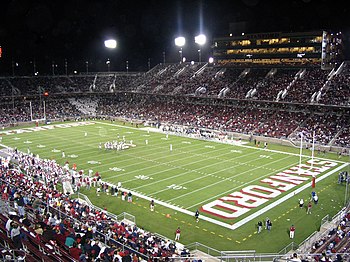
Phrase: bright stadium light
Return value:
(111, 43)
(180, 42)
(200, 40)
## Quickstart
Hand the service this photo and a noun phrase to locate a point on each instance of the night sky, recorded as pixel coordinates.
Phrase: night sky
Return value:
(52, 31)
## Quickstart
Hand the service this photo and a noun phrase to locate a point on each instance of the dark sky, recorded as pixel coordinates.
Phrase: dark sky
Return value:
(57, 30)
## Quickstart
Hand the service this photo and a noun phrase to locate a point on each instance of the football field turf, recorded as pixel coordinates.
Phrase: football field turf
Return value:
(183, 174)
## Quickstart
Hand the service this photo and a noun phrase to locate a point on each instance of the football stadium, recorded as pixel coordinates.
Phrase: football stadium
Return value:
(241, 154)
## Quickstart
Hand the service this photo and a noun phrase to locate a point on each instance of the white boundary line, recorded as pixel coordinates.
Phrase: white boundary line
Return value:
(247, 219)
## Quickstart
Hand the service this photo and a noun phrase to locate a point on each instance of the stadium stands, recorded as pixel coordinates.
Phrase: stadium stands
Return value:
(58, 228)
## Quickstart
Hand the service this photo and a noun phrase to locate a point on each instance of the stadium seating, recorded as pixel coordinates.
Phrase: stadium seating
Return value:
(62, 217)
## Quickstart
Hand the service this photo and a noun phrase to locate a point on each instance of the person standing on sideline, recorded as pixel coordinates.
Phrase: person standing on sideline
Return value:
(269, 225)
(291, 231)
(171, 147)
(315, 198)
(129, 197)
(196, 215)
(301, 203)
(151, 205)
(260, 224)
(309, 206)
(177, 234)
(266, 224)
(63, 154)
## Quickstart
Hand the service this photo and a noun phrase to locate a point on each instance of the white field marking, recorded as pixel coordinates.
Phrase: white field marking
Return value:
(176, 208)
(27, 130)
(93, 162)
(243, 184)
(92, 145)
(164, 171)
(239, 145)
(197, 170)
(193, 170)
(87, 123)
(284, 198)
(78, 143)
(224, 180)
(245, 220)
(294, 154)
(113, 156)
(177, 160)
(131, 154)
(155, 161)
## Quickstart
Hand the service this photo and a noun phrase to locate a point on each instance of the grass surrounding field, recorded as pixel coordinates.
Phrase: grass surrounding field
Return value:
(194, 173)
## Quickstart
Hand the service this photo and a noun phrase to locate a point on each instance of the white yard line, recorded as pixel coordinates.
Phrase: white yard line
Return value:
(247, 219)
(169, 162)
(202, 188)
(222, 180)
(239, 145)
(195, 162)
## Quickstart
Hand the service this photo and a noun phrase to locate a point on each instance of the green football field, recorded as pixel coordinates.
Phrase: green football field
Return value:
(183, 174)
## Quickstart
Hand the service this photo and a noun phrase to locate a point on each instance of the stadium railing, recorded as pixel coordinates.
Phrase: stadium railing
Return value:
(229, 256)
(203, 248)
(290, 247)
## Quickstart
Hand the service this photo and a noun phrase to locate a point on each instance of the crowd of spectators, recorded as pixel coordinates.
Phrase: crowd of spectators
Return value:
(47, 217)
(331, 128)
(275, 83)
(187, 79)
(325, 127)
(336, 240)
(338, 92)
(306, 86)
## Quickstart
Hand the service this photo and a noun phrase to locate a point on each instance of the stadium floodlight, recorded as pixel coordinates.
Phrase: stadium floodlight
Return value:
(111, 43)
(180, 42)
(200, 39)
(211, 60)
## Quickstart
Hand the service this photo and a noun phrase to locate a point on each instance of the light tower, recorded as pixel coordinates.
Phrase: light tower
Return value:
(200, 40)
(180, 42)
(110, 44)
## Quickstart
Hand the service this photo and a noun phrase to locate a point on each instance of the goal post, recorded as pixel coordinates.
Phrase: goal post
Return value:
(37, 114)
